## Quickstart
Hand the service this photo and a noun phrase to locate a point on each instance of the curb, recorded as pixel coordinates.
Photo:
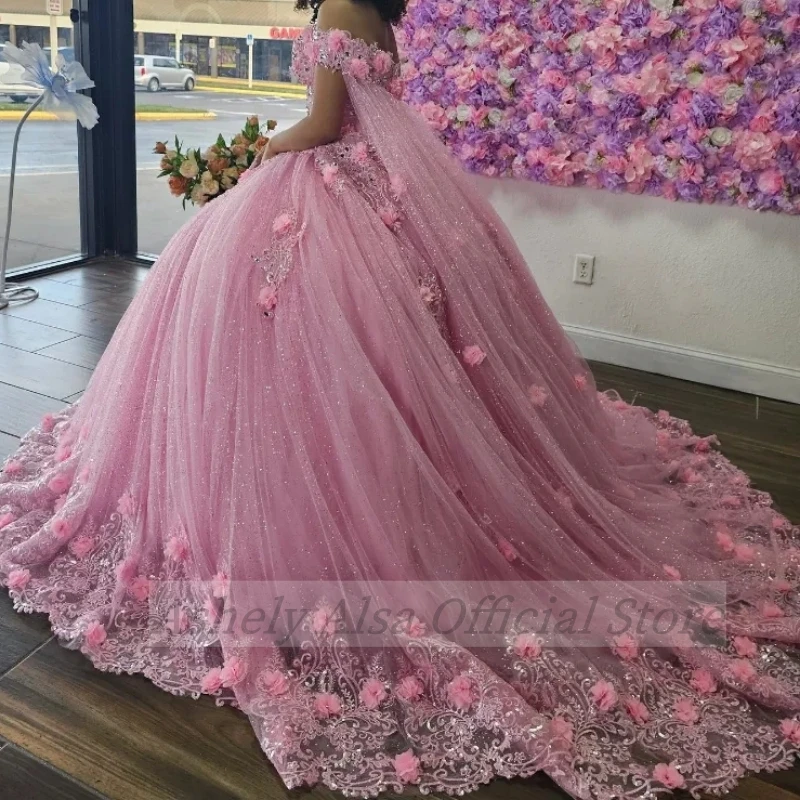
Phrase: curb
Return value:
(299, 95)
(141, 116)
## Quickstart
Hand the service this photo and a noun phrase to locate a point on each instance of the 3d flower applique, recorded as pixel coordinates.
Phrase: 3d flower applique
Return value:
(604, 695)
(176, 549)
(672, 573)
(390, 217)
(473, 355)
(744, 553)
(724, 539)
(406, 765)
(580, 381)
(18, 579)
(48, 423)
(413, 627)
(669, 776)
(81, 546)
(636, 710)
(140, 588)
(745, 647)
(282, 224)
(625, 647)
(742, 670)
(410, 688)
(527, 646)
(358, 68)
(267, 299)
(703, 682)
(372, 693)
(461, 692)
(6, 519)
(13, 468)
(507, 550)
(790, 729)
(211, 682)
(234, 670)
(684, 710)
(329, 174)
(327, 705)
(126, 505)
(561, 730)
(398, 185)
(273, 683)
(95, 635)
(770, 610)
(61, 528)
(336, 41)
(59, 483)
(323, 621)
(382, 63)
(126, 571)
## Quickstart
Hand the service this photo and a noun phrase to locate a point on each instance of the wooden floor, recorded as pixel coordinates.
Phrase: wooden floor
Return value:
(68, 732)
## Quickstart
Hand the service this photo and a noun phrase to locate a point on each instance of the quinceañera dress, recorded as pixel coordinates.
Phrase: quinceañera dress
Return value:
(341, 373)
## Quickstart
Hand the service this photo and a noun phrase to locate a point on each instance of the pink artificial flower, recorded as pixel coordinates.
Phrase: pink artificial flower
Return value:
(712, 617)
(48, 423)
(212, 681)
(18, 579)
(126, 571)
(372, 693)
(460, 692)
(669, 776)
(61, 528)
(267, 298)
(580, 382)
(406, 765)
(527, 646)
(538, 396)
(746, 648)
(770, 181)
(327, 705)
(282, 224)
(731, 501)
(329, 173)
(220, 584)
(790, 728)
(59, 484)
(126, 505)
(176, 549)
(784, 586)
(771, 610)
(12, 468)
(415, 628)
(398, 185)
(389, 216)
(6, 519)
(409, 688)
(324, 621)
(336, 41)
(382, 62)
(359, 69)
(724, 540)
(604, 695)
(744, 553)
(507, 550)
(637, 710)
(140, 588)
(82, 546)
(360, 152)
(626, 647)
(561, 730)
(703, 682)
(234, 670)
(473, 355)
(742, 670)
(778, 522)
(95, 634)
(685, 710)
(274, 683)
(672, 573)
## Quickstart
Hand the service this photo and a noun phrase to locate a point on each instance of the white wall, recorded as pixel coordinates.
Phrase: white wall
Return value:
(702, 292)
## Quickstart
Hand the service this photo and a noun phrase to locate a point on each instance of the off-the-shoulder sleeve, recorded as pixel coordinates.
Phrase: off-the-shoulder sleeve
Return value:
(339, 51)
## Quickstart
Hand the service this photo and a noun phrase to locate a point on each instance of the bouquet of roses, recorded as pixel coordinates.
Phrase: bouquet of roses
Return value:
(201, 176)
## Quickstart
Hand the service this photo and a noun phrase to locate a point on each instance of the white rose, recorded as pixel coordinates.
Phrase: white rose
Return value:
(189, 168)
(463, 113)
(721, 136)
(199, 197)
(231, 173)
(210, 186)
(171, 154)
(575, 42)
(473, 38)
(694, 79)
(751, 8)
(733, 94)
(664, 6)
(495, 116)
(506, 77)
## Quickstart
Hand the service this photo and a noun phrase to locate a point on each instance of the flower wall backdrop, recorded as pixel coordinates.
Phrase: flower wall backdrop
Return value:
(689, 99)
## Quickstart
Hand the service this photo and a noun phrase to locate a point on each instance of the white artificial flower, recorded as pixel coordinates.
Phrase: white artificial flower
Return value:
(495, 116)
(506, 77)
(721, 137)
(464, 113)
(733, 94)
(189, 168)
(473, 38)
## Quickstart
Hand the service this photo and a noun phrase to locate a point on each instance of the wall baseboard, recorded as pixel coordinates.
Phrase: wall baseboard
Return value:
(727, 372)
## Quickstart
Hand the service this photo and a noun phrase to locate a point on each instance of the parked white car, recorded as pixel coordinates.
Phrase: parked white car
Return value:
(11, 83)
(161, 72)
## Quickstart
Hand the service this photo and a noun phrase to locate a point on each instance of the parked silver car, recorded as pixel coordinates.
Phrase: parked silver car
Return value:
(161, 72)
(11, 84)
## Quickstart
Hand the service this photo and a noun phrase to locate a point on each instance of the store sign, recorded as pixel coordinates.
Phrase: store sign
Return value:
(284, 33)
(55, 7)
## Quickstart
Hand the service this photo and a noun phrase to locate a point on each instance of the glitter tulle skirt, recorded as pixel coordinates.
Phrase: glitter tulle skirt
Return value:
(342, 373)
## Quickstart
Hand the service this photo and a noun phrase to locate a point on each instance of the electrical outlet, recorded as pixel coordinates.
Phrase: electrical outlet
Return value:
(584, 270)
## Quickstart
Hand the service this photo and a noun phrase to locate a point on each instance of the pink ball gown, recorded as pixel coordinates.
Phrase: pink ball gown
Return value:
(341, 374)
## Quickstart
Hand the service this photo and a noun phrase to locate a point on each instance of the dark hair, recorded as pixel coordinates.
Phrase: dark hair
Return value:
(390, 10)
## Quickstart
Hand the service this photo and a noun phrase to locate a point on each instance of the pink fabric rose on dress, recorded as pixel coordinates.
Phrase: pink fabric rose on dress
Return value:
(507, 550)
(527, 646)
(415, 628)
(176, 549)
(790, 728)
(389, 216)
(267, 298)
(561, 730)
(18, 579)
(95, 634)
(626, 647)
(703, 681)
(409, 688)
(140, 588)
(744, 553)
(473, 355)
(233, 672)
(604, 695)
(48, 423)
(382, 62)
(743, 671)
(406, 765)
(274, 683)
(12, 468)
(126, 505)
(724, 541)
(324, 621)
(282, 224)
(336, 41)
(327, 705)
(580, 382)
(398, 184)
(359, 69)
(746, 648)
(212, 681)
(669, 776)
(82, 546)
(686, 711)
(59, 483)
(372, 693)
(637, 710)
(461, 693)
(329, 173)
(6, 519)
(672, 573)
(61, 528)
(126, 571)
(538, 395)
